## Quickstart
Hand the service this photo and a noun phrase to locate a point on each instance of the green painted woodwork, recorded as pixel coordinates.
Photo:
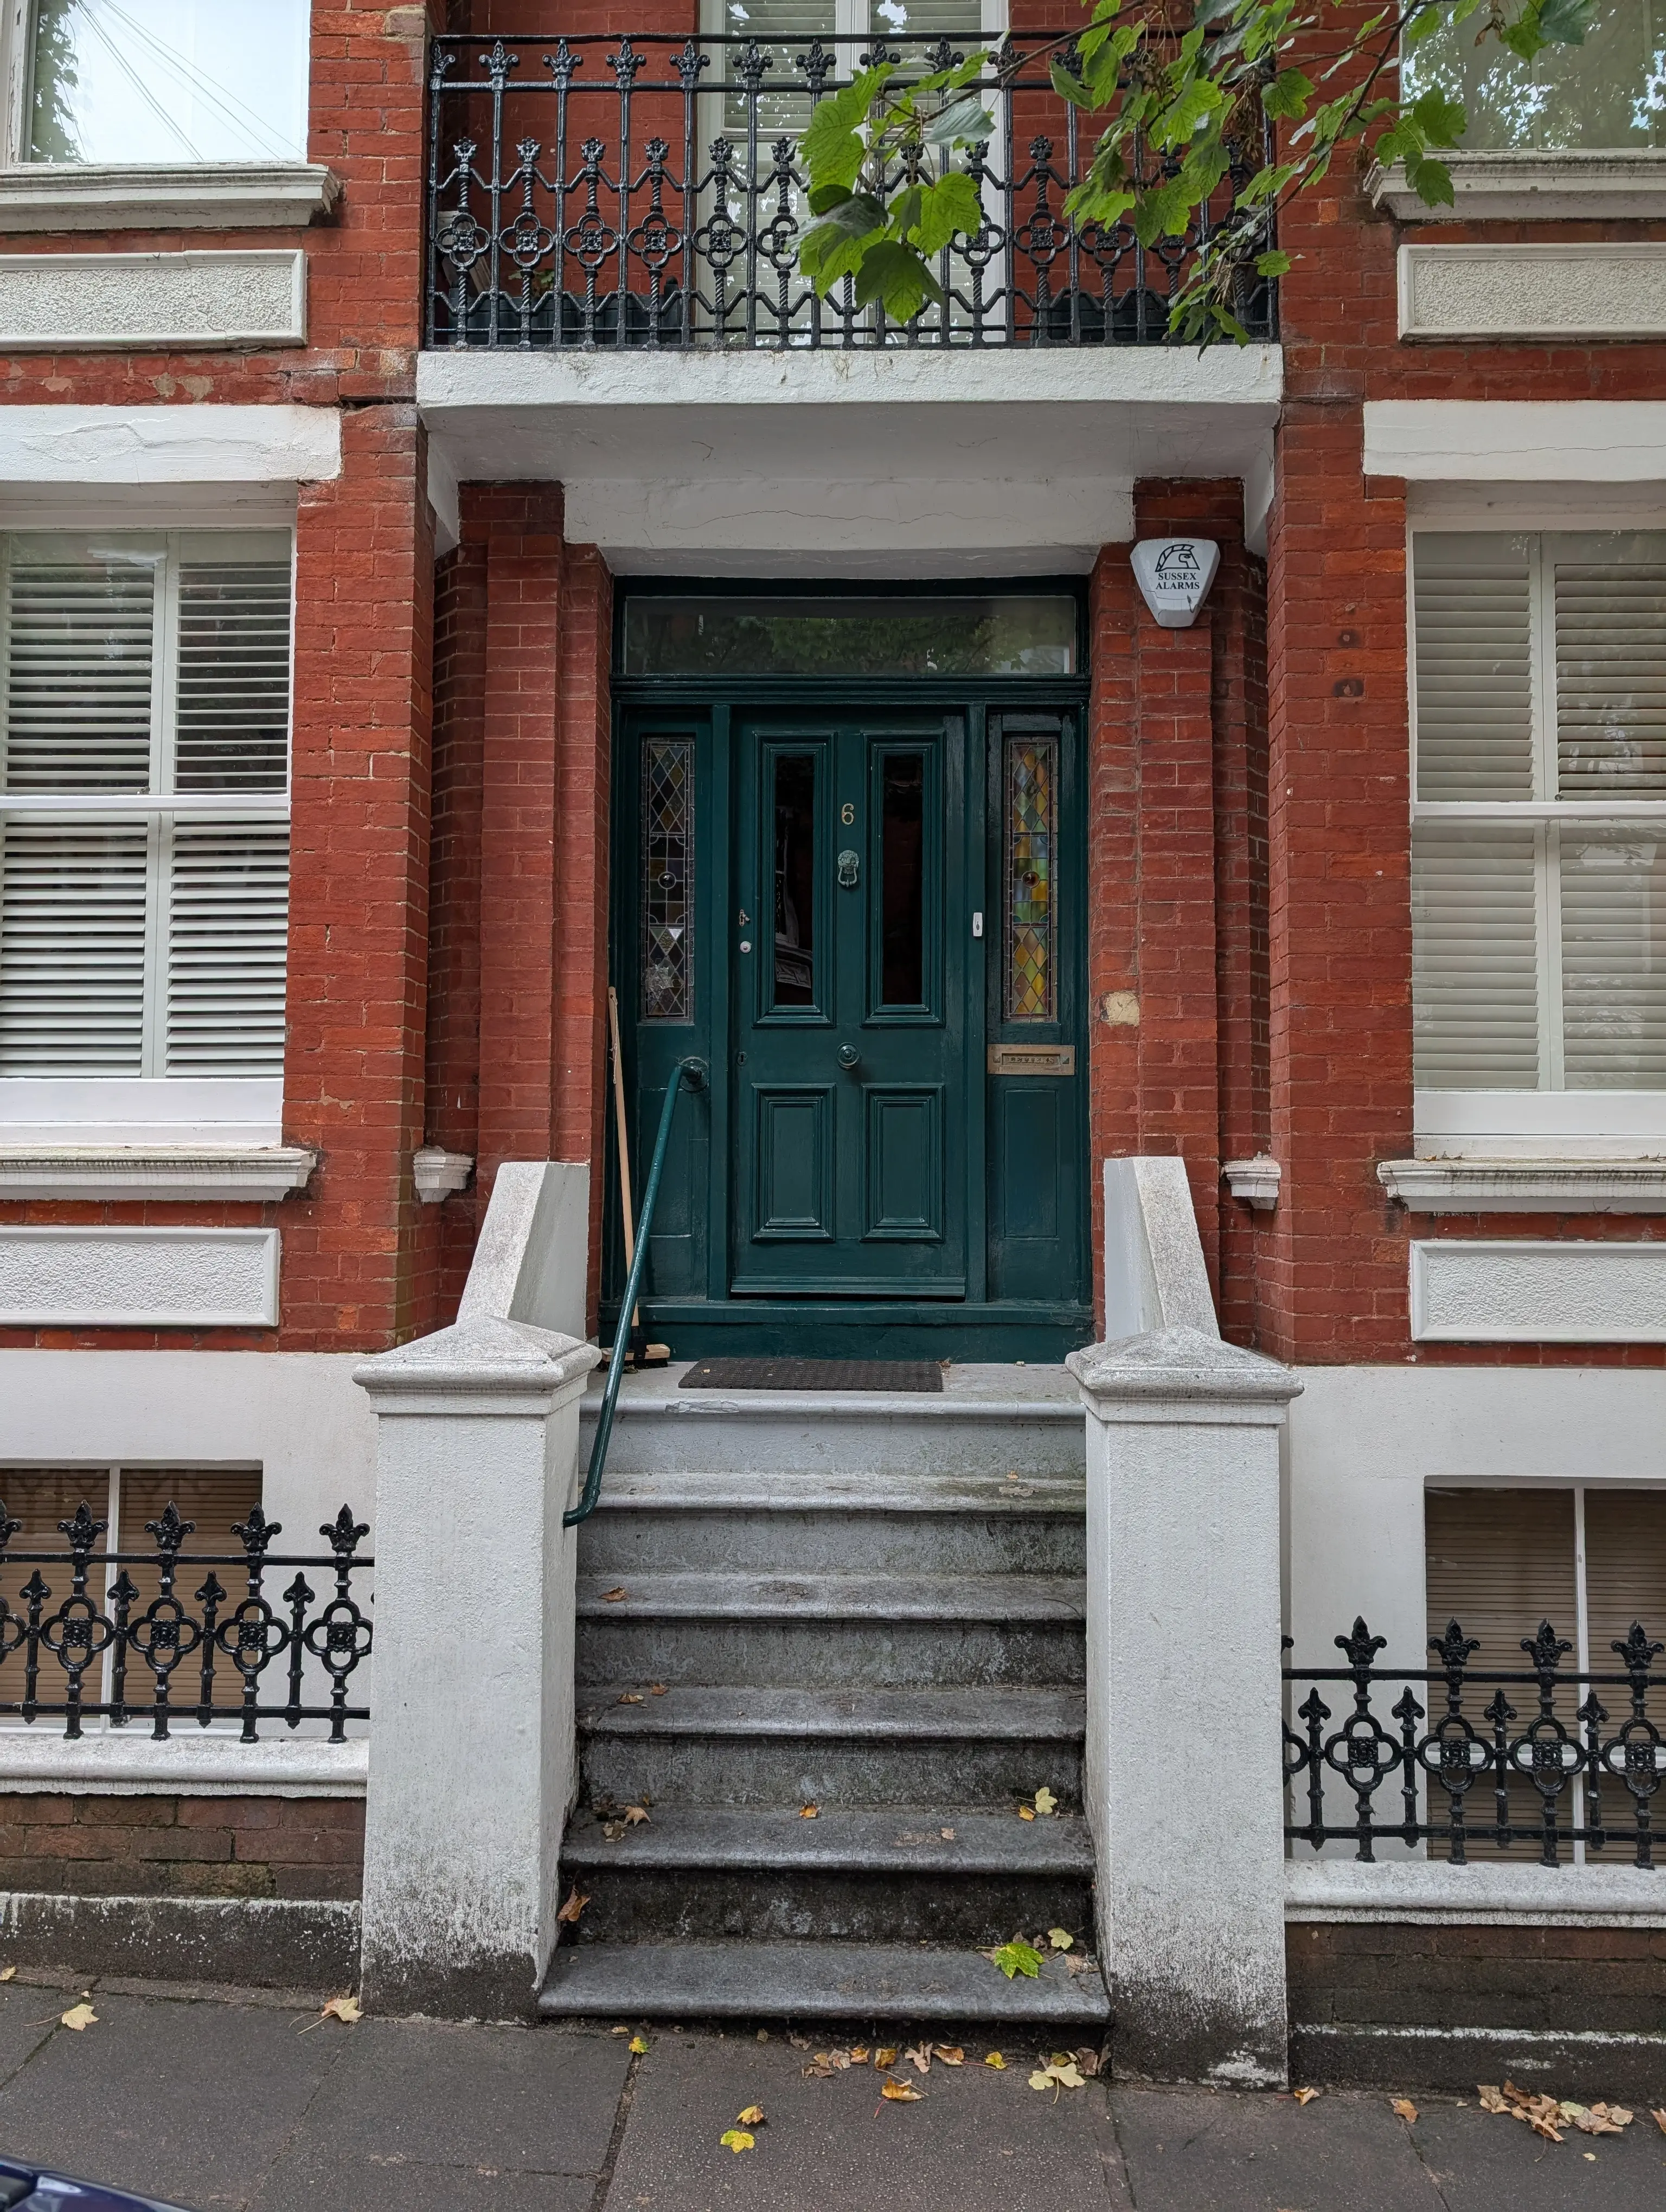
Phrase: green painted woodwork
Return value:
(906, 1202)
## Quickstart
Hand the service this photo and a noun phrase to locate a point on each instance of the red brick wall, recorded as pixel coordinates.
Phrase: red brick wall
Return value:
(173, 1846)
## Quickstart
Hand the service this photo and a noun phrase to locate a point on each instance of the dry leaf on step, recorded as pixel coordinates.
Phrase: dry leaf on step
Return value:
(885, 2057)
(638, 2045)
(631, 1697)
(1403, 2108)
(612, 1596)
(995, 2060)
(737, 2140)
(1087, 2061)
(1076, 1964)
(1026, 1813)
(1046, 1802)
(752, 2118)
(954, 2056)
(1657, 2114)
(799, 2042)
(656, 1689)
(574, 1905)
(920, 2059)
(345, 2010)
(898, 2092)
(858, 2054)
(807, 1811)
(1305, 2096)
(1061, 2072)
(1491, 2101)
(1060, 1938)
(635, 1815)
(1600, 2119)
(7, 1974)
(78, 2017)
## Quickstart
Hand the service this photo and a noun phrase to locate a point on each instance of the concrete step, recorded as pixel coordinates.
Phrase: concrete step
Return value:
(861, 1983)
(986, 1421)
(945, 1875)
(832, 1631)
(785, 1747)
(662, 1522)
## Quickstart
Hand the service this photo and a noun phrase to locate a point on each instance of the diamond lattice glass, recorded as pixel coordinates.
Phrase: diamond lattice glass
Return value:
(668, 880)
(1032, 837)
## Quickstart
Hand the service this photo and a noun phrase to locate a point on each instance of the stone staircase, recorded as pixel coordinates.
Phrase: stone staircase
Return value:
(870, 1606)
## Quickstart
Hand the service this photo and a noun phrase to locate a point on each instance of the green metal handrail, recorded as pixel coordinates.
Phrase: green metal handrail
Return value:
(693, 1072)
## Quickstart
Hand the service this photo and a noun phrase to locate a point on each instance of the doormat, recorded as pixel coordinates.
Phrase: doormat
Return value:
(813, 1375)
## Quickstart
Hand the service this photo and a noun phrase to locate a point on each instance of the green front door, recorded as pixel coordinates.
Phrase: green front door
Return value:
(853, 1034)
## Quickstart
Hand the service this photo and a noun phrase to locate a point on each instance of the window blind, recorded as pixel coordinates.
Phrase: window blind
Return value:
(1611, 678)
(148, 941)
(1474, 957)
(1473, 605)
(1625, 1573)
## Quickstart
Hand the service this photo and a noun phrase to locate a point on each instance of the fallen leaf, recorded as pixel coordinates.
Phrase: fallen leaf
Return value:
(1305, 2096)
(1076, 1964)
(1403, 2108)
(1061, 2072)
(1045, 1801)
(898, 2092)
(618, 2031)
(7, 1974)
(656, 1689)
(947, 1835)
(1491, 2101)
(78, 2017)
(954, 2056)
(612, 1596)
(1060, 1938)
(345, 2010)
(920, 2059)
(1657, 2114)
(995, 2060)
(612, 1830)
(885, 2059)
(737, 2140)
(631, 1697)
(574, 1905)
(807, 1811)
(816, 2071)
(798, 2042)
(635, 1815)
(858, 2054)
(1017, 1958)
(638, 2045)
(1087, 2061)
(1601, 2119)
(752, 2118)
(1025, 1812)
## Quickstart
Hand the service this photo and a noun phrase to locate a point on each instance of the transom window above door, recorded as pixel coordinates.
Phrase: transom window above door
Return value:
(163, 81)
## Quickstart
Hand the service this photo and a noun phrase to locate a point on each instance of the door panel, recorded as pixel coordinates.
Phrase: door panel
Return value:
(850, 991)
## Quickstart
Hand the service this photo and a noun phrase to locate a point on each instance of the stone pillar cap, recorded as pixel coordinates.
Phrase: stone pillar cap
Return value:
(486, 1355)
(1181, 1363)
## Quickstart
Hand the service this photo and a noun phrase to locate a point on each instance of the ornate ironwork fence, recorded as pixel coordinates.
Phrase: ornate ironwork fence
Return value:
(1545, 1755)
(596, 191)
(106, 1652)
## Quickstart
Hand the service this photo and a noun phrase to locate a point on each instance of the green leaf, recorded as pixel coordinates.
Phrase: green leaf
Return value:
(830, 147)
(960, 123)
(1567, 23)
(1018, 1958)
(1441, 120)
(1188, 113)
(1432, 181)
(1423, 25)
(1069, 88)
(949, 207)
(833, 247)
(825, 197)
(1275, 263)
(897, 276)
(1287, 96)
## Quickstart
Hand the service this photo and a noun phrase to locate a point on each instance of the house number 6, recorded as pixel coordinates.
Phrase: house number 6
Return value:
(848, 813)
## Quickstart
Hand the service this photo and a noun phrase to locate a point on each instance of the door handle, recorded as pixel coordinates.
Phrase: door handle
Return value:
(848, 1055)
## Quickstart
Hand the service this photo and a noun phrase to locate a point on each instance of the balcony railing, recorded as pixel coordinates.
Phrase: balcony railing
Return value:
(81, 1639)
(590, 192)
(1539, 1759)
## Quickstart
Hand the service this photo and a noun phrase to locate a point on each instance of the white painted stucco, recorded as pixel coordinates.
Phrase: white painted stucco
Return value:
(148, 1277)
(1523, 441)
(201, 443)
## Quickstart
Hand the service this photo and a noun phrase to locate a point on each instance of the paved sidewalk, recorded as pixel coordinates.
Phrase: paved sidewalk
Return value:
(229, 2099)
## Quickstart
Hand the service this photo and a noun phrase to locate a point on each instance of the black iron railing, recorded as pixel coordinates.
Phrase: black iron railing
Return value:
(595, 191)
(1541, 1756)
(80, 1639)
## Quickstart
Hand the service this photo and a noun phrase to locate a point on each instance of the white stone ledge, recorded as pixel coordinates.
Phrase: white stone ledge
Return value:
(1518, 441)
(146, 1171)
(1521, 187)
(1254, 1181)
(1526, 1186)
(49, 448)
(76, 302)
(1528, 293)
(43, 196)
(1430, 1891)
(129, 1761)
(437, 1173)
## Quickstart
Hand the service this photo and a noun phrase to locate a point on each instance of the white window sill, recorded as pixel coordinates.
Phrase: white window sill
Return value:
(121, 1761)
(1430, 1891)
(1551, 1186)
(252, 1173)
(1534, 188)
(52, 196)
(122, 1114)
(1561, 1127)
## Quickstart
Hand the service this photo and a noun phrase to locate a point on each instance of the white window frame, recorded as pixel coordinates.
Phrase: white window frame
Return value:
(150, 1107)
(1550, 1122)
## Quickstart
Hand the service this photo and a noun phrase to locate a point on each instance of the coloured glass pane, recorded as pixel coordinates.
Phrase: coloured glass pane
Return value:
(1032, 836)
(902, 829)
(668, 880)
(794, 971)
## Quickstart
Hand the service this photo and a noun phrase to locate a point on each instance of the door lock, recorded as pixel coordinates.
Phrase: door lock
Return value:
(850, 868)
(848, 1055)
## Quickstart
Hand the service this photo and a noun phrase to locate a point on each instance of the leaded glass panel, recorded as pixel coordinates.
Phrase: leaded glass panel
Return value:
(1031, 952)
(668, 880)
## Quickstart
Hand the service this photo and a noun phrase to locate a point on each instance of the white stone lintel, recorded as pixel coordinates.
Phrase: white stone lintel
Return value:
(1526, 1186)
(109, 195)
(1517, 294)
(51, 447)
(1430, 1891)
(129, 1761)
(1254, 1181)
(1181, 1375)
(258, 1173)
(1525, 441)
(438, 1173)
(78, 302)
(1516, 186)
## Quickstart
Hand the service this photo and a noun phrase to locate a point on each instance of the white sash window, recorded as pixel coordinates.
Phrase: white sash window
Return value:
(144, 742)
(1539, 842)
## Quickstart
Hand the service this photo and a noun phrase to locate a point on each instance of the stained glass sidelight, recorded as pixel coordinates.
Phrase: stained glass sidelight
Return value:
(668, 880)
(1031, 838)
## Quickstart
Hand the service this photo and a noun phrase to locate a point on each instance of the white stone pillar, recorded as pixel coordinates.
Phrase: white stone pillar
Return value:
(472, 1762)
(1184, 1756)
